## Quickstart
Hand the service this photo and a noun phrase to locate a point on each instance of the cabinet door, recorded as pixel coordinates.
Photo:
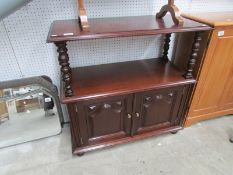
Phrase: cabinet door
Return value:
(213, 92)
(158, 109)
(105, 119)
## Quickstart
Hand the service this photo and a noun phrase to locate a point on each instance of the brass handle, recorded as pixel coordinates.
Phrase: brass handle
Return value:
(137, 115)
(171, 94)
(159, 97)
(129, 116)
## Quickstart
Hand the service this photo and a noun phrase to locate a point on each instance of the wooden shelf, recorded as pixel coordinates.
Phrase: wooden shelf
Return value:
(122, 78)
(69, 30)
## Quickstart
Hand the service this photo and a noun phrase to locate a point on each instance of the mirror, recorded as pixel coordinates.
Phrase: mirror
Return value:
(29, 110)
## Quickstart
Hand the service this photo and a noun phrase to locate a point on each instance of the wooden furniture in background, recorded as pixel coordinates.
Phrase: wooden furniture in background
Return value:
(213, 95)
(28, 104)
(3, 110)
(173, 10)
(116, 103)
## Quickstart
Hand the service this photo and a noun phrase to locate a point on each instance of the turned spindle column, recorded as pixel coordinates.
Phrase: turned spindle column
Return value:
(194, 54)
(63, 59)
(166, 47)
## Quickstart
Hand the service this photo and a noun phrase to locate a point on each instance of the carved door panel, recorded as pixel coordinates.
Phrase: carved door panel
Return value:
(105, 119)
(157, 109)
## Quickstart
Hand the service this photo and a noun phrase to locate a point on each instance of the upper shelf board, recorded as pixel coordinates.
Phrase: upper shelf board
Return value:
(69, 30)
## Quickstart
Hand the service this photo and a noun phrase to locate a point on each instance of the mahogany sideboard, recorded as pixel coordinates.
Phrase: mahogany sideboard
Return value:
(213, 96)
(116, 103)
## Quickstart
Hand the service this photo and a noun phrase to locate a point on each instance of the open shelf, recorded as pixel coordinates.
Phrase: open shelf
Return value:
(122, 78)
(69, 30)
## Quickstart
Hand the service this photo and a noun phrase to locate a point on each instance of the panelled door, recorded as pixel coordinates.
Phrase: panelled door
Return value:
(101, 120)
(104, 119)
(157, 109)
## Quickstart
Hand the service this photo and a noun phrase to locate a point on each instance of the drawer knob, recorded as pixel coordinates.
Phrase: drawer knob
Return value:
(159, 97)
(92, 108)
(148, 99)
(171, 94)
(106, 106)
(119, 103)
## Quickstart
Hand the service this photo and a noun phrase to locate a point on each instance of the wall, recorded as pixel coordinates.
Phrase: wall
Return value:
(24, 51)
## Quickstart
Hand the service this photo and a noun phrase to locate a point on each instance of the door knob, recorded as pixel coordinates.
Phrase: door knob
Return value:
(159, 97)
(137, 115)
(171, 94)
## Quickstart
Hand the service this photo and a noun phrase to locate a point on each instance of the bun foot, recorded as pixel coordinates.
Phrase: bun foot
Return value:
(231, 140)
(80, 154)
(174, 132)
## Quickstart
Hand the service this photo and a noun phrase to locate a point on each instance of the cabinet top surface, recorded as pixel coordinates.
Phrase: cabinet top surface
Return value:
(215, 19)
(69, 30)
(122, 78)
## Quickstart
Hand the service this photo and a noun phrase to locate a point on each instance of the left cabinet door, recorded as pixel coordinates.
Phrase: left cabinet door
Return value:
(100, 120)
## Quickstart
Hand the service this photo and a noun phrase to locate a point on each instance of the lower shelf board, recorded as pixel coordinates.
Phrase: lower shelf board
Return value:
(122, 78)
(85, 149)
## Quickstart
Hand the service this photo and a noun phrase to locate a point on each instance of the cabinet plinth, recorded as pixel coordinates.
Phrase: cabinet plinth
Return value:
(116, 103)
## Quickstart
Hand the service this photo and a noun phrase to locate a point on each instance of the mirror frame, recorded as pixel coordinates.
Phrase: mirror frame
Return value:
(47, 87)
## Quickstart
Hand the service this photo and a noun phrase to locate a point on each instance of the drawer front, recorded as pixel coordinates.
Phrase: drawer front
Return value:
(158, 109)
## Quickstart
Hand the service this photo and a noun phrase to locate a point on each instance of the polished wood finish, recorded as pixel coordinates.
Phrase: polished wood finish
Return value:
(122, 78)
(166, 47)
(63, 59)
(3, 110)
(80, 150)
(109, 121)
(183, 50)
(173, 10)
(157, 109)
(113, 104)
(194, 54)
(82, 15)
(69, 30)
(116, 103)
(213, 96)
(105, 118)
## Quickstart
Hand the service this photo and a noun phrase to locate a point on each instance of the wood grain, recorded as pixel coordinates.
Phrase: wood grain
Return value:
(69, 30)
(213, 93)
(215, 19)
(122, 78)
(121, 102)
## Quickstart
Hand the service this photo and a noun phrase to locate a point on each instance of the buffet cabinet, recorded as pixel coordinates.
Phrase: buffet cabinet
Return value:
(115, 103)
(108, 120)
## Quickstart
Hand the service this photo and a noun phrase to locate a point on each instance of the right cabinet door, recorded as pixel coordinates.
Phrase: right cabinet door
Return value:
(158, 109)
